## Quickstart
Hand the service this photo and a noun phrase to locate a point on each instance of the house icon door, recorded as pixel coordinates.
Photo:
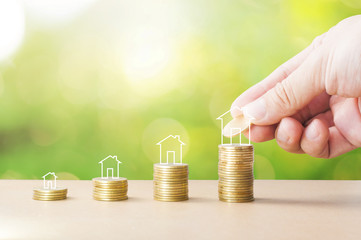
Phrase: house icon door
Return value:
(49, 184)
(110, 172)
(169, 156)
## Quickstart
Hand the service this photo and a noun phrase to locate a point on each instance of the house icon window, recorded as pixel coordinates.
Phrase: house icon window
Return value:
(110, 167)
(170, 150)
(49, 180)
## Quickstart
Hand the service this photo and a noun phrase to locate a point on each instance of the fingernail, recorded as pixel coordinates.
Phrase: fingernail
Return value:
(255, 110)
(311, 132)
(236, 111)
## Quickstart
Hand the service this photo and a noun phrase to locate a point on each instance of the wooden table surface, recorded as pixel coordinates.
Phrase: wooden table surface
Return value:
(282, 210)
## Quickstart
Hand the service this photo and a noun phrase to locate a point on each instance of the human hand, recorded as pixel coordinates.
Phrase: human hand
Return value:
(312, 103)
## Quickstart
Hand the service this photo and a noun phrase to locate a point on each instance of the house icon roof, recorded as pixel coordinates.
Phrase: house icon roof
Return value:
(174, 137)
(232, 108)
(49, 173)
(112, 157)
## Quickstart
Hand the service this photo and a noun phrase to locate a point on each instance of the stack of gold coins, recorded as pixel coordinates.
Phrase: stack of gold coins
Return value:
(49, 194)
(235, 170)
(170, 182)
(110, 189)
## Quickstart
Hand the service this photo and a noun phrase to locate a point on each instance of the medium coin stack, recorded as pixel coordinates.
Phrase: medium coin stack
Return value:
(170, 182)
(45, 194)
(110, 189)
(235, 170)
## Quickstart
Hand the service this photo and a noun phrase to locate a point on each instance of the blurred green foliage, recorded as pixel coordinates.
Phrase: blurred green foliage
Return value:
(69, 97)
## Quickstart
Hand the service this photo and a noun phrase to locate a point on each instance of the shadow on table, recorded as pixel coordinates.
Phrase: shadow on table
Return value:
(335, 201)
(202, 199)
(136, 199)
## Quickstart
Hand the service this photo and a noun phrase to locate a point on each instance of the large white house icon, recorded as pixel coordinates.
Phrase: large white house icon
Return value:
(49, 183)
(109, 165)
(173, 148)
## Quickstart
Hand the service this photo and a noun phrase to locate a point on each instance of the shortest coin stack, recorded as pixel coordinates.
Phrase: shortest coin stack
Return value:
(170, 182)
(44, 194)
(110, 189)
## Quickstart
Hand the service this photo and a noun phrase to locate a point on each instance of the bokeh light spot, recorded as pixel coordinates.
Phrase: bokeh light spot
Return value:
(12, 27)
(66, 176)
(348, 168)
(10, 174)
(55, 12)
(146, 53)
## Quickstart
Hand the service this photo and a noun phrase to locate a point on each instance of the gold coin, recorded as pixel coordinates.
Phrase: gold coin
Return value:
(170, 182)
(236, 196)
(182, 198)
(170, 165)
(50, 194)
(170, 199)
(110, 194)
(45, 190)
(236, 200)
(171, 177)
(170, 187)
(48, 198)
(175, 174)
(235, 171)
(110, 189)
(173, 196)
(110, 199)
(43, 194)
(109, 180)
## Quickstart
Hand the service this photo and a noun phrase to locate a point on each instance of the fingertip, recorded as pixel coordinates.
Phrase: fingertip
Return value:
(256, 111)
(236, 111)
(248, 96)
(314, 141)
(261, 133)
(315, 130)
(288, 135)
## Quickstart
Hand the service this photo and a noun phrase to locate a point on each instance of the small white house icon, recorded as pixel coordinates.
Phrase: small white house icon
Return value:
(110, 167)
(48, 182)
(173, 148)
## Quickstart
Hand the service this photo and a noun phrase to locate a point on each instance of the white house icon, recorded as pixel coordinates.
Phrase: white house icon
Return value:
(109, 165)
(172, 147)
(48, 182)
(233, 129)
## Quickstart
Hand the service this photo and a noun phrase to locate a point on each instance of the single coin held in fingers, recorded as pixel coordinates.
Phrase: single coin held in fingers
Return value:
(236, 126)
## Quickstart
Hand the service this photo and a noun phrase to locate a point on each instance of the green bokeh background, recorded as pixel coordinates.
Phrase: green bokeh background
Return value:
(68, 98)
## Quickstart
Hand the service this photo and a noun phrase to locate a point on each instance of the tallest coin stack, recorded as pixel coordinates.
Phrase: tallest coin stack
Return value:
(235, 170)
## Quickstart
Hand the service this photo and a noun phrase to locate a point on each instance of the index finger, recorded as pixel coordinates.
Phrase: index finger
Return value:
(271, 80)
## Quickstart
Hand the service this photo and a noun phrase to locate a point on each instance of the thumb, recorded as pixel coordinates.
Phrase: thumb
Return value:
(288, 96)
